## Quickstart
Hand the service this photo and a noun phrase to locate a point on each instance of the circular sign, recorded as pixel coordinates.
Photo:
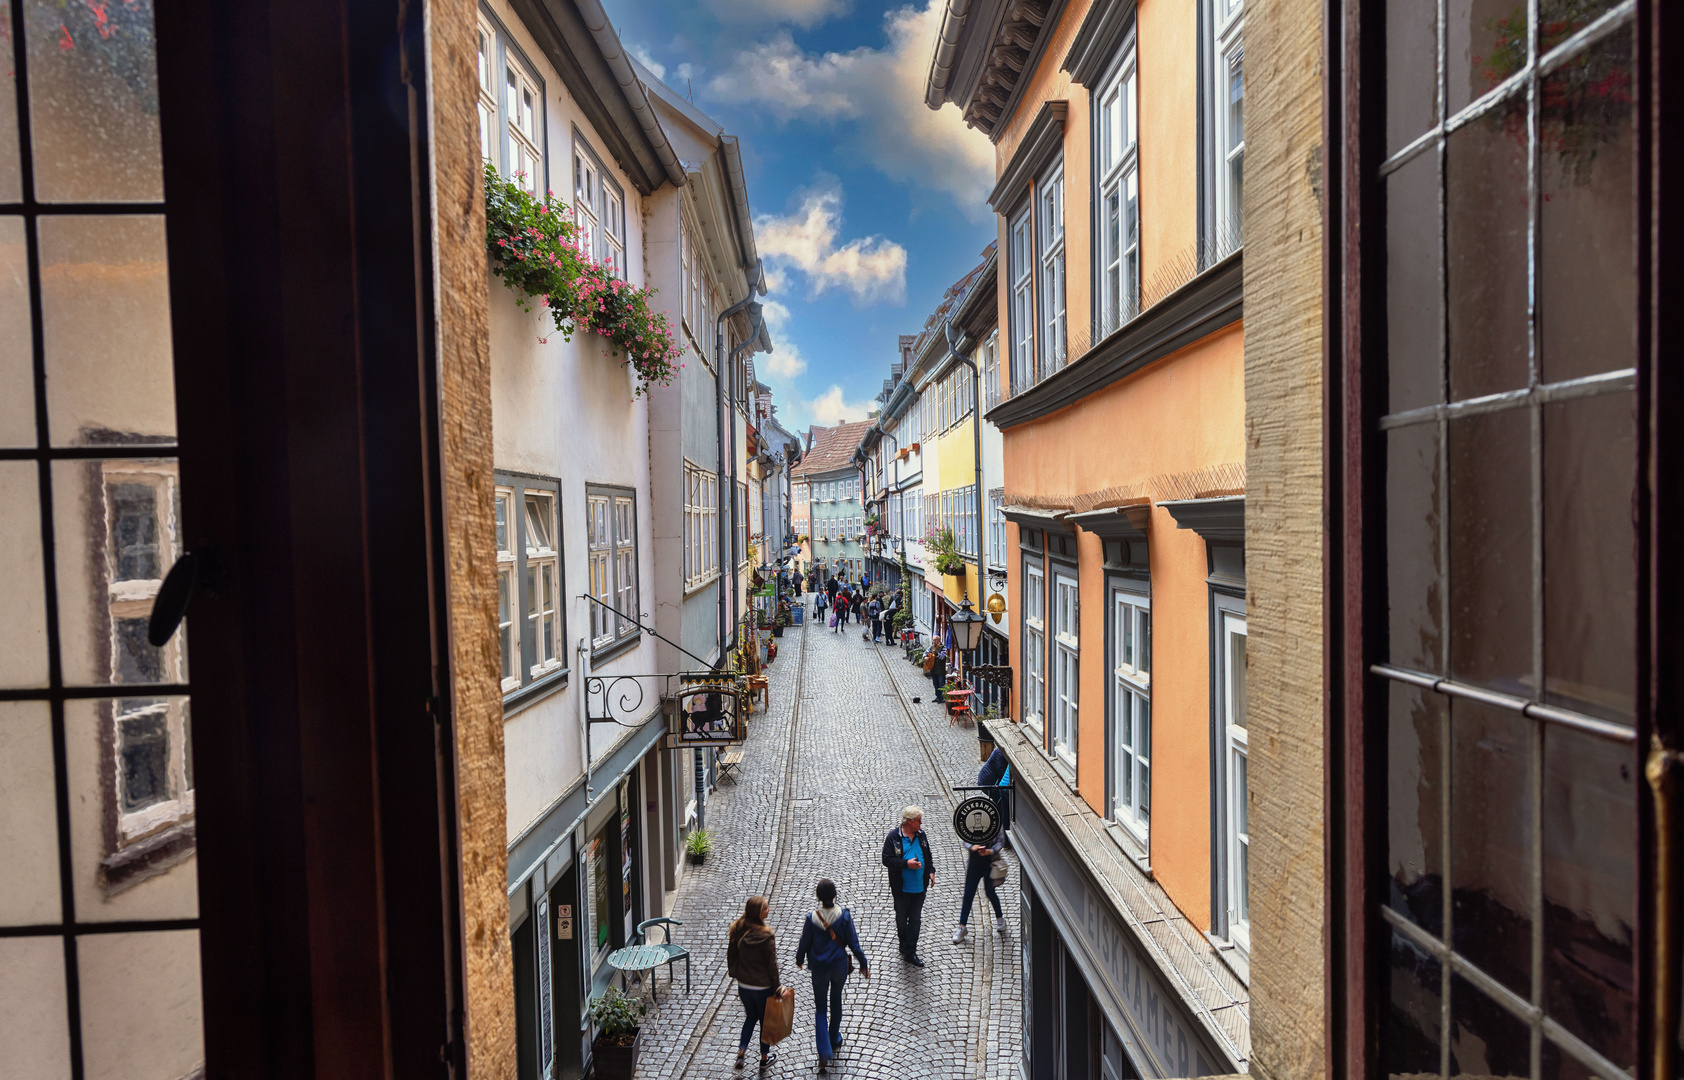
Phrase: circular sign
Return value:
(977, 820)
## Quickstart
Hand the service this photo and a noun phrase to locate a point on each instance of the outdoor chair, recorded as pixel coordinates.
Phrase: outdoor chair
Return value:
(674, 952)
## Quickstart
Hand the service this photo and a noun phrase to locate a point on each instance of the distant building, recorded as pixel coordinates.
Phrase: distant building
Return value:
(829, 483)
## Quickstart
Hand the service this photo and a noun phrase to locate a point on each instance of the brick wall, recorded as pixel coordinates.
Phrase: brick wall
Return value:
(1284, 504)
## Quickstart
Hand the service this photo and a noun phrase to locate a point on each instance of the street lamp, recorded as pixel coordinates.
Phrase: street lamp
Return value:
(967, 626)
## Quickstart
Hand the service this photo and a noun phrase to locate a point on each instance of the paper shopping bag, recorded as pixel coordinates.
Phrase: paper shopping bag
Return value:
(780, 1017)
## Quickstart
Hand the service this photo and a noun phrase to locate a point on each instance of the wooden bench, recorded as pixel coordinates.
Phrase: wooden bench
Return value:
(729, 764)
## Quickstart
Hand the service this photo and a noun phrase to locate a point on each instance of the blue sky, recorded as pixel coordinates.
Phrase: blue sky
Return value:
(867, 204)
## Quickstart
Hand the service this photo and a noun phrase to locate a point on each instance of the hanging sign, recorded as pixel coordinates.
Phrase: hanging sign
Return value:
(977, 820)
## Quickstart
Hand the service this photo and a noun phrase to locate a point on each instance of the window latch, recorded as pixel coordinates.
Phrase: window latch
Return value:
(173, 595)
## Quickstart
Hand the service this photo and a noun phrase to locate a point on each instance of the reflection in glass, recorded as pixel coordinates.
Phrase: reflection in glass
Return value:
(117, 533)
(1487, 41)
(1590, 570)
(23, 611)
(1485, 223)
(1415, 814)
(11, 174)
(1587, 301)
(93, 101)
(1413, 1020)
(106, 330)
(1491, 550)
(1491, 799)
(1414, 560)
(1486, 1040)
(1411, 52)
(1589, 893)
(1414, 286)
(29, 892)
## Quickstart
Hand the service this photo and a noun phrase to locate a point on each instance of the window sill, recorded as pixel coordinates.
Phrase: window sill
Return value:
(704, 583)
(1232, 958)
(1131, 847)
(516, 700)
(603, 653)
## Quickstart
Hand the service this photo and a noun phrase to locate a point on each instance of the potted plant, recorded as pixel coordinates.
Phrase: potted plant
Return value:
(944, 553)
(696, 847)
(615, 1049)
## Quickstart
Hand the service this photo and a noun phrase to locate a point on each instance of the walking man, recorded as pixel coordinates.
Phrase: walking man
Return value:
(906, 855)
(876, 610)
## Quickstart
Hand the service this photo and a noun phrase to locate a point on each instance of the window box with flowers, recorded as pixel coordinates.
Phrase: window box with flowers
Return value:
(943, 552)
(535, 249)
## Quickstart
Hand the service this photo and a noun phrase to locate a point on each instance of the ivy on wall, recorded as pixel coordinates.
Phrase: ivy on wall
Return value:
(535, 249)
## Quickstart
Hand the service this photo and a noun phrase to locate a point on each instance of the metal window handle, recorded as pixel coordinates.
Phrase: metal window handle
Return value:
(173, 596)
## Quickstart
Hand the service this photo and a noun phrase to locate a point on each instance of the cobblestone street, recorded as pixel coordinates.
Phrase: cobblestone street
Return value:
(827, 767)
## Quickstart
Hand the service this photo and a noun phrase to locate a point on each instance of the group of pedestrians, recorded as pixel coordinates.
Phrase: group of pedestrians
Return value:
(836, 601)
(829, 936)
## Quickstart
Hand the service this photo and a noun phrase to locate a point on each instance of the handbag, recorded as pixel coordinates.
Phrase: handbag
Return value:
(833, 622)
(779, 1018)
(998, 868)
(846, 955)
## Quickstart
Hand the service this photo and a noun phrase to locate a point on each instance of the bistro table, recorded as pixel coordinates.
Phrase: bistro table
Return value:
(638, 958)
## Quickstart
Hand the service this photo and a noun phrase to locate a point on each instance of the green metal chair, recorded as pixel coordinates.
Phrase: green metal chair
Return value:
(674, 952)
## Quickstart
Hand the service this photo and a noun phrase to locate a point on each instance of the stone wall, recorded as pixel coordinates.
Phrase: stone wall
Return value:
(1284, 533)
(470, 541)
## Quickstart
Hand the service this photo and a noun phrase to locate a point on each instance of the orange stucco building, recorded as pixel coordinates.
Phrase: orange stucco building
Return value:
(1119, 131)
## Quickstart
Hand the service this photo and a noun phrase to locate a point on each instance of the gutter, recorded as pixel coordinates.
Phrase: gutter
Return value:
(731, 150)
(947, 45)
(608, 42)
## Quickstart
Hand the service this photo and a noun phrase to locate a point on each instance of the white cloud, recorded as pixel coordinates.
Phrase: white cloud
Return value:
(872, 268)
(880, 89)
(786, 361)
(830, 408)
(659, 69)
(802, 13)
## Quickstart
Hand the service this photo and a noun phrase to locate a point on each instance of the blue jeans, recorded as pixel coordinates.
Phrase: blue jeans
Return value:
(976, 873)
(754, 1009)
(828, 979)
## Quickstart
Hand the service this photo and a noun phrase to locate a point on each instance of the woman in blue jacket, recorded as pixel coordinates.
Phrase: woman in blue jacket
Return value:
(828, 936)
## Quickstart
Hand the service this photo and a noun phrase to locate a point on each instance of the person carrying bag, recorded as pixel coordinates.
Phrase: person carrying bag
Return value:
(751, 957)
(827, 937)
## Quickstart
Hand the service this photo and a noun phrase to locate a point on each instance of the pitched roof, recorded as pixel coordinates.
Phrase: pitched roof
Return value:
(833, 448)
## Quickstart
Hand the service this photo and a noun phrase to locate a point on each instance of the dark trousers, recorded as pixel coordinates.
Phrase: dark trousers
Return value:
(828, 980)
(976, 873)
(909, 920)
(876, 628)
(754, 1011)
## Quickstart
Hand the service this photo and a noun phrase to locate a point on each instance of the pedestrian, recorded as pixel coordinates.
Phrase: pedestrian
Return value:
(831, 586)
(827, 936)
(841, 612)
(938, 669)
(876, 611)
(979, 864)
(906, 855)
(820, 603)
(751, 957)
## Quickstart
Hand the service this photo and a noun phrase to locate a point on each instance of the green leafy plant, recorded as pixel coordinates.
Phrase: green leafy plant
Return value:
(992, 712)
(535, 245)
(944, 550)
(616, 1015)
(699, 842)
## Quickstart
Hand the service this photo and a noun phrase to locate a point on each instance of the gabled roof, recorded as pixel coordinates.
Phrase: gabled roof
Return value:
(833, 448)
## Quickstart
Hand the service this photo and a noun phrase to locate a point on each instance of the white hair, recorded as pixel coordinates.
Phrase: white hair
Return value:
(911, 812)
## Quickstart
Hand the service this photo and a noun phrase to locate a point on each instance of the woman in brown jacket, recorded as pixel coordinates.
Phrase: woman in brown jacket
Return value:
(751, 957)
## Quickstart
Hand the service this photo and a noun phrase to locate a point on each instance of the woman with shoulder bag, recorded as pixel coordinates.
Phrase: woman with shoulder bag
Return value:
(751, 957)
(827, 937)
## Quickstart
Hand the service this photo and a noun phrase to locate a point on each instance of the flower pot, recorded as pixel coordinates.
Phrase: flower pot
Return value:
(778, 631)
(616, 1059)
(695, 859)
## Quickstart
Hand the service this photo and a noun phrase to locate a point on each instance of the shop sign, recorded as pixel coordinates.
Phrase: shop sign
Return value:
(564, 922)
(977, 820)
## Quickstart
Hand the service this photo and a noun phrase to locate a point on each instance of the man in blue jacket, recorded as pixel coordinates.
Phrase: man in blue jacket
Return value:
(906, 855)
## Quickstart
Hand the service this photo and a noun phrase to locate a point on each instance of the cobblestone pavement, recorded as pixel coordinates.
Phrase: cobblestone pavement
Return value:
(827, 767)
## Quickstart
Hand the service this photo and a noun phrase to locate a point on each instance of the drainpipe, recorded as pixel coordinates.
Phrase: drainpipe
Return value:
(584, 707)
(976, 441)
(719, 428)
(759, 326)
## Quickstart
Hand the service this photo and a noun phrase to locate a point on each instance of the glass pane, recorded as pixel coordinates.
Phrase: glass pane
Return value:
(93, 101)
(1560, 19)
(117, 531)
(1485, 222)
(1487, 44)
(1414, 556)
(1491, 802)
(1415, 804)
(34, 1023)
(29, 893)
(1589, 889)
(1414, 1019)
(1486, 1041)
(17, 375)
(1590, 571)
(11, 182)
(503, 523)
(1414, 286)
(141, 1015)
(106, 329)
(131, 809)
(1587, 303)
(1411, 75)
(23, 660)
(1491, 550)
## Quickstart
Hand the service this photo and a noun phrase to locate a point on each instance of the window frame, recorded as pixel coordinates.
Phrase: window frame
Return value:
(1064, 734)
(1020, 314)
(1128, 799)
(1223, 207)
(1032, 652)
(623, 629)
(1118, 175)
(508, 57)
(530, 680)
(1232, 919)
(1051, 270)
(701, 527)
(601, 213)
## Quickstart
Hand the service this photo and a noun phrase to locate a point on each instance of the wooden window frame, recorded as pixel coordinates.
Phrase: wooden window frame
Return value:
(620, 626)
(539, 677)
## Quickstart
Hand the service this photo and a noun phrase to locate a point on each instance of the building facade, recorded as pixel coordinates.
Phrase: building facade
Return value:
(832, 486)
(1120, 399)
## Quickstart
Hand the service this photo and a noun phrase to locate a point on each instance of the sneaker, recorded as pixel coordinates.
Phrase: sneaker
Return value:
(1000, 927)
(835, 1046)
(824, 1065)
(768, 1060)
(959, 934)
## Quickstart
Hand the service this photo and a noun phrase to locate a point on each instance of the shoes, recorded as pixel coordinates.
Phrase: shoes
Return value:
(1000, 927)
(824, 1065)
(740, 1055)
(959, 934)
(835, 1046)
(915, 960)
(767, 1060)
